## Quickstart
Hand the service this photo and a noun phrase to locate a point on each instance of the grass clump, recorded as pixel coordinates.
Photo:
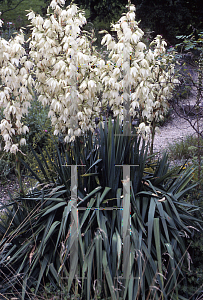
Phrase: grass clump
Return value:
(187, 148)
(186, 151)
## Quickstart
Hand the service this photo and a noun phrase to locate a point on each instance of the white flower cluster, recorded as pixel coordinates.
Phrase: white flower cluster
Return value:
(162, 79)
(141, 76)
(67, 73)
(70, 75)
(15, 91)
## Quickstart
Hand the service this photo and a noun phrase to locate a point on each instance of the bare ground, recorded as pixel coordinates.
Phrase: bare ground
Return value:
(9, 187)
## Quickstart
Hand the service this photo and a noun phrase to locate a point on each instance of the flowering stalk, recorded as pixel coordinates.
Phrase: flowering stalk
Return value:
(15, 95)
(163, 82)
(15, 91)
(18, 173)
(69, 75)
(67, 72)
(147, 72)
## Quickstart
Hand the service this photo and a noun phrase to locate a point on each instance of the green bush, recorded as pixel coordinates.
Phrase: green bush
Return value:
(182, 149)
(37, 242)
(39, 125)
(40, 135)
(194, 271)
(187, 150)
(6, 168)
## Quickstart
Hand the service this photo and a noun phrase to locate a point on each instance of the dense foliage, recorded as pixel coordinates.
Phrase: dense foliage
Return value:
(168, 18)
(153, 242)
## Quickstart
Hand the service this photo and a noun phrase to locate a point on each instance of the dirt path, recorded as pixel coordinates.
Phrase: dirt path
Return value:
(174, 130)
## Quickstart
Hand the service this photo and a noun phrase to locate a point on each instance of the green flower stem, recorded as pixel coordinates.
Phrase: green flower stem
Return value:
(18, 173)
(153, 126)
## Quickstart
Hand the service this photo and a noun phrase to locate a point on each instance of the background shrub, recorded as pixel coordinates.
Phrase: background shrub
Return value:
(39, 125)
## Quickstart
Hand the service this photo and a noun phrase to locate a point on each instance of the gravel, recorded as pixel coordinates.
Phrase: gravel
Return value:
(174, 130)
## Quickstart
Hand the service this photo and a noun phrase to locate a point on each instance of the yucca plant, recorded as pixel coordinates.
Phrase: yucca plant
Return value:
(151, 224)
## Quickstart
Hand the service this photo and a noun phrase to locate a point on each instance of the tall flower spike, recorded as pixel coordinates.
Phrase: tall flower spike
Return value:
(15, 92)
(67, 72)
(137, 74)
